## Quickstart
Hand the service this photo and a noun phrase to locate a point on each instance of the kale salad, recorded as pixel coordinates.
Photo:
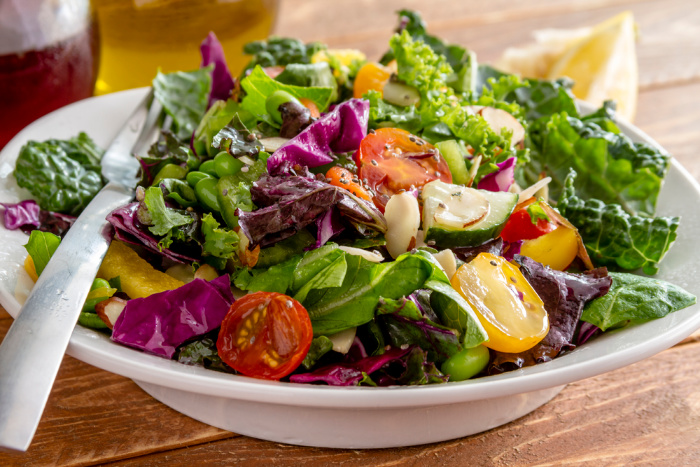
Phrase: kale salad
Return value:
(323, 218)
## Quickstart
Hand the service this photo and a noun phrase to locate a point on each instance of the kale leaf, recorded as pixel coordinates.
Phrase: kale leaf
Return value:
(614, 237)
(610, 166)
(63, 175)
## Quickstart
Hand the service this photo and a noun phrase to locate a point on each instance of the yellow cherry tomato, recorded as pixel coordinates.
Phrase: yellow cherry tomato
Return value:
(30, 268)
(556, 249)
(511, 312)
(371, 77)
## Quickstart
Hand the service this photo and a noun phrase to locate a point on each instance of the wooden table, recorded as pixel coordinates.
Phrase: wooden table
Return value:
(647, 413)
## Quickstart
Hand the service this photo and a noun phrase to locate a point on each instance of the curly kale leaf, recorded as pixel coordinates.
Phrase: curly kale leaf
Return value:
(614, 237)
(610, 166)
(64, 175)
(280, 51)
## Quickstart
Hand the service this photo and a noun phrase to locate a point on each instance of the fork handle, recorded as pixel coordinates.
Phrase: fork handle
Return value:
(33, 348)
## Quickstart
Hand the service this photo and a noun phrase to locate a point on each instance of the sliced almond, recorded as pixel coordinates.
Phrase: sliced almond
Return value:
(447, 260)
(342, 341)
(273, 144)
(247, 256)
(530, 191)
(110, 309)
(499, 119)
(402, 216)
(372, 256)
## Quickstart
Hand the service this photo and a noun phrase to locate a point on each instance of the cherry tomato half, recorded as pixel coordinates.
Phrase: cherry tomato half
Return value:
(343, 178)
(265, 335)
(520, 227)
(391, 160)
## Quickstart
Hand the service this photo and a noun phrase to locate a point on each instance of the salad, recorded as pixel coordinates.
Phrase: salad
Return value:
(417, 220)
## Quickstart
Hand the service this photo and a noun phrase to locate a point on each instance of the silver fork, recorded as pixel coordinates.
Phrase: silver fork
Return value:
(33, 348)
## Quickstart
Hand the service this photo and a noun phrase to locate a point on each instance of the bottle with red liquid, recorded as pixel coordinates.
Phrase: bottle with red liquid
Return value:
(48, 58)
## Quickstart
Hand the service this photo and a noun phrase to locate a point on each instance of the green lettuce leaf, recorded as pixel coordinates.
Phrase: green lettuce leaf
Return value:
(612, 236)
(163, 219)
(610, 166)
(635, 298)
(41, 246)
(317, 75)
(384, 114)
(184, 95)
(258, 85)
(63, 176)
(217, 117)
(218, 241)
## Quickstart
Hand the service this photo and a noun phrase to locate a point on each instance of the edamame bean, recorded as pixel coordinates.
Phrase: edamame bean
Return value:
(208, 167)
(205, 190)
(98, 283)
(170, 171)
(91, 320)
(226, 164)
(466, 363)
(195, 176)
(273, 102)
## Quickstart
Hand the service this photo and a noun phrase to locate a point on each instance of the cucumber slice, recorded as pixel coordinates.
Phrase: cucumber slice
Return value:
(454, 156)
(443, 203)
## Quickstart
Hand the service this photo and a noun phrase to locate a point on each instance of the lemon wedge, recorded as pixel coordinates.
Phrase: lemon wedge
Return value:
(602, 61)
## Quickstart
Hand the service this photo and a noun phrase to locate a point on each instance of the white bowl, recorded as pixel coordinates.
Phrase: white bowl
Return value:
(352, 417)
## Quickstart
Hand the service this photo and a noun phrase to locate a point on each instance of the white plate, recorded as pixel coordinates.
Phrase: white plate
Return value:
(353, 417)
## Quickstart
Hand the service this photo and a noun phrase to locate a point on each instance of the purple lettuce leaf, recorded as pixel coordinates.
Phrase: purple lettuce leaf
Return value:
(403, 324)
(129, 229)
(564, 295)
(28, 216)
(338, 131)
(161, 322)
(468, 253)
(501, 179)
(586, 332)
(221, 81)
(406, 366)
(290, 203)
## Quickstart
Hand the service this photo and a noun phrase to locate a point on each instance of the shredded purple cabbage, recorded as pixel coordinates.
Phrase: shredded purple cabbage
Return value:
(221, 80)
(338, 131)
(328, 226)
(500, 180)
(161, 322)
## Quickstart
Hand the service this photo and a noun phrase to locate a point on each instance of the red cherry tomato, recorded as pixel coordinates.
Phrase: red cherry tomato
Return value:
(265, 335)
(520, 227)
(343, 178)
(391, 160)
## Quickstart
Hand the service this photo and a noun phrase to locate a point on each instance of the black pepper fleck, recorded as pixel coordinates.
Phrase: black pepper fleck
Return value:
(493, 263)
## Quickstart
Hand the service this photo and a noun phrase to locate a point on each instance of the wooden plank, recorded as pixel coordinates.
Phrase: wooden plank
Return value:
(671, 116)
(668, 49)
(93, 416)
(648, 412)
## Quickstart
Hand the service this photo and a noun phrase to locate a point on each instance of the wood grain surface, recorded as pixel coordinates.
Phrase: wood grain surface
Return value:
(647, 413)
